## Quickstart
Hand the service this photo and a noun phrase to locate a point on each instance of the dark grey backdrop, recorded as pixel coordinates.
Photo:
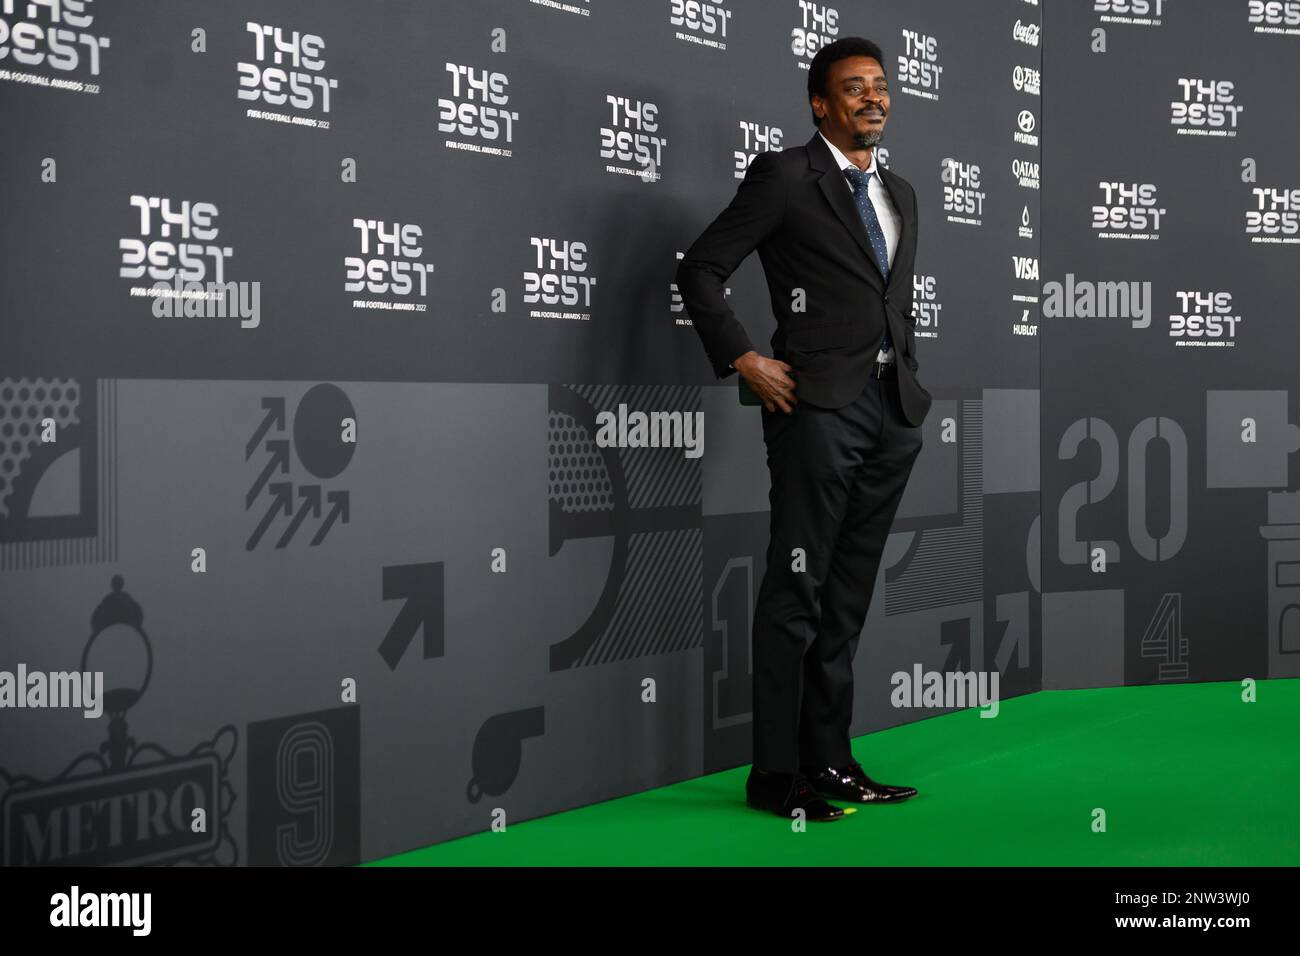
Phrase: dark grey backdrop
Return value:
(1166, 438)
(520, 686)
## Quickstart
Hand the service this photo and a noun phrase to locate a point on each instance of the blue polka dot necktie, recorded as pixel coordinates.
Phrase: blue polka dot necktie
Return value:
(859, 178)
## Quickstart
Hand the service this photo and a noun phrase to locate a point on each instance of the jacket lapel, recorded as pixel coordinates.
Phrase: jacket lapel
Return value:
(840, 197)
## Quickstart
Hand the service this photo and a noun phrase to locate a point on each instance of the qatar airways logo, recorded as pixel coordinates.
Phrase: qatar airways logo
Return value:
(1204, 319)
(1026, 79)
(53, 34)
(919, 70)
(1026, 173)
(818, 25)
(560, 277)
(1205, 108)
(1273, 215)
(963, 197)
(477, 111)
(1026, 33)
(700, 22)
(1143, 13)
(1127, 211)
(286, 71)
(388, 265)
(631, 144)
(755, 138)
(1274, 16)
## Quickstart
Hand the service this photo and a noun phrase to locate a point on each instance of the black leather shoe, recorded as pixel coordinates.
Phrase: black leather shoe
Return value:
(852, 783)
(783, 793)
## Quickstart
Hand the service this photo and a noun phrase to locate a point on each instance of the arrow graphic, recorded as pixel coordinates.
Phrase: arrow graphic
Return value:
(282, 500)
(279, 449)
(311, 502)
(421, 586)
(274, 416)
(340, 510)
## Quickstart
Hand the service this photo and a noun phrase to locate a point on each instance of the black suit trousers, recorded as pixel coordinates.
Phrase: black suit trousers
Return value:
(837, 478)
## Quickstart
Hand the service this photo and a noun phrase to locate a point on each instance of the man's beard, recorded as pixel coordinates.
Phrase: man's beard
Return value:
(868, 139)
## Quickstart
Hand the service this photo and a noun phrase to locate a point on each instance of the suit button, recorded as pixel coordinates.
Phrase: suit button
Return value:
(886, 298)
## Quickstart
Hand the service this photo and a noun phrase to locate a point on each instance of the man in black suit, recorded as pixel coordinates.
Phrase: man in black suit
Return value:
(836, 234)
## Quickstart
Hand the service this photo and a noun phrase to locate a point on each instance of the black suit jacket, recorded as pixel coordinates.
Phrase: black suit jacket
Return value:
(795, 207)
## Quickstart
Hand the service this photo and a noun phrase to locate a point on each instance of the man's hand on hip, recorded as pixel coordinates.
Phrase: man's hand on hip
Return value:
(767, 378)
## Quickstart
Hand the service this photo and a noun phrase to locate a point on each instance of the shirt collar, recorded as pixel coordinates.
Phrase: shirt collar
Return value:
(843, 160)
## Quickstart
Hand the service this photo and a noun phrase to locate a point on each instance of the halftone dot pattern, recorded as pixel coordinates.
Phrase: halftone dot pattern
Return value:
(653, 477)
(24, 404)
(577, 476)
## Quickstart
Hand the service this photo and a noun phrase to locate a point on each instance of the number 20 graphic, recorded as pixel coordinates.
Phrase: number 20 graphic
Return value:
(1090, 491)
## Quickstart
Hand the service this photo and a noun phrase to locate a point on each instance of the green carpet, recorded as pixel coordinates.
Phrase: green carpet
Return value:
(1188, 775)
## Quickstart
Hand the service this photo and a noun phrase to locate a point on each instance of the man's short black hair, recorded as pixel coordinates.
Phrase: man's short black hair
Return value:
(841, 49)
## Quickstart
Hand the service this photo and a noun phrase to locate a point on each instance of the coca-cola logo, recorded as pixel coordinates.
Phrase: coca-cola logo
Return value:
(1026, 33)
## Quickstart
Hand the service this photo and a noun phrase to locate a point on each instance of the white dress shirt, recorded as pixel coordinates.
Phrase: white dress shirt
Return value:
(891, 223)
